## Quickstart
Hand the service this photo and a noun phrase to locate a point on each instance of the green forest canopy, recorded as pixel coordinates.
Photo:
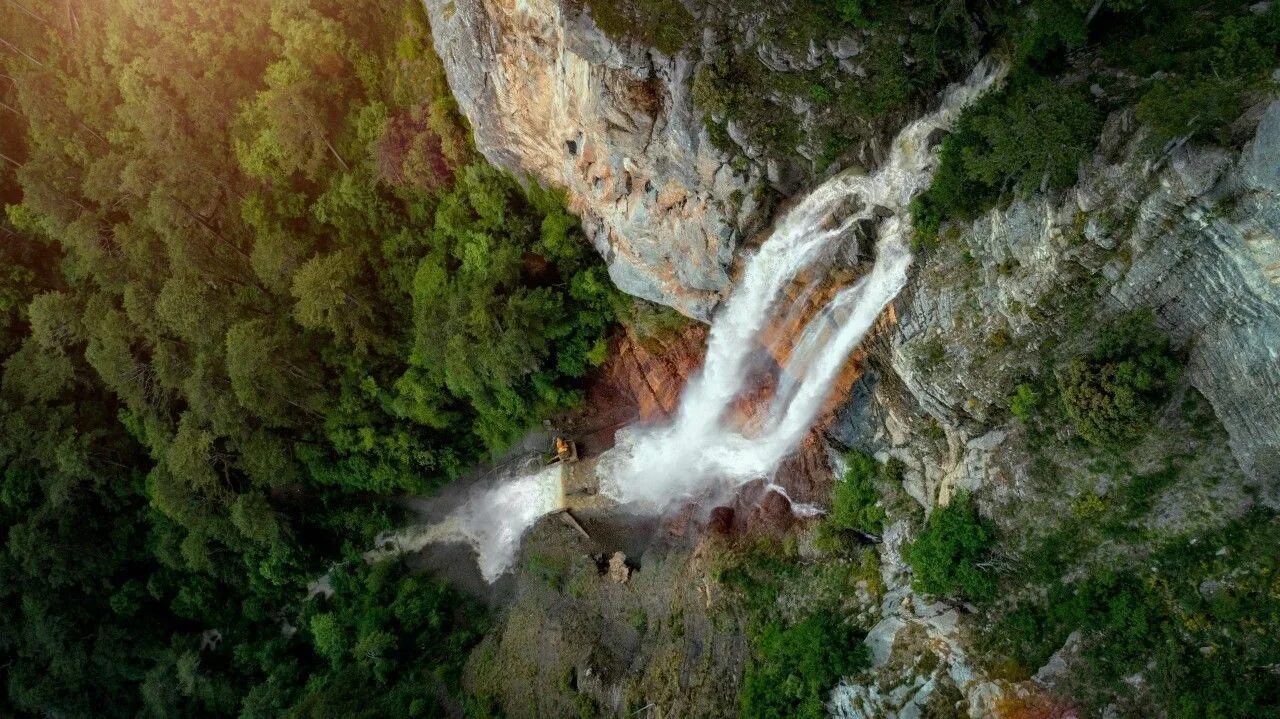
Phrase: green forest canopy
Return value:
(254, 276)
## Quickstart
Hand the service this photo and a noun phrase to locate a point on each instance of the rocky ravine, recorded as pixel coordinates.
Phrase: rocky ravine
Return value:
(1192, 237)
(550, 95)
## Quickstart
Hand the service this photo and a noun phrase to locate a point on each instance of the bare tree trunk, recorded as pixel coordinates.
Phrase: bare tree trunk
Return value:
(336, 155)
(28, 11)
(20, 51)
(71, 17)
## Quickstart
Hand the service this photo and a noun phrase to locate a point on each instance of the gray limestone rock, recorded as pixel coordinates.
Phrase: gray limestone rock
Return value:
(550, 96)
(1195, 240)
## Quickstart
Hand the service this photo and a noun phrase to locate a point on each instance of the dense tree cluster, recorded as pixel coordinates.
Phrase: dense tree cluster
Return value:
(855, 503)
(1189, 69)
(1112, 394)
(254, 278)
(950, 557)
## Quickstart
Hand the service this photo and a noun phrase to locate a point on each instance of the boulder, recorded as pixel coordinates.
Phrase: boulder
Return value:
(619, 571)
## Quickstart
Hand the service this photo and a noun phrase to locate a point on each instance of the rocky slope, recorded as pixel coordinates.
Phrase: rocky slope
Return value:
(551, 96)
(1191, 235)
(1193, 238)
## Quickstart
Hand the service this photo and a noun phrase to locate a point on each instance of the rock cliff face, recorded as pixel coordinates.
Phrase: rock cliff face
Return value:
(550, 96)
(1194, 239)
(641, 382)
(1192, 236)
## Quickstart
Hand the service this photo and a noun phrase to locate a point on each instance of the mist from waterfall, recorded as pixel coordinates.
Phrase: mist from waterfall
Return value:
(652, 469)
(492, 520)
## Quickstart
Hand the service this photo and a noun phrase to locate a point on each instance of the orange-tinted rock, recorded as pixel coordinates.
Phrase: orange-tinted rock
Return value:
(641, 382)
(806, 474)
(772, 515)
(721, 521)
(655, 372)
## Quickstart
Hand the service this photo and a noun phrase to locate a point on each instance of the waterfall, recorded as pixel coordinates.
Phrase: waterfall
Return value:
(492, 520)
(653, 469)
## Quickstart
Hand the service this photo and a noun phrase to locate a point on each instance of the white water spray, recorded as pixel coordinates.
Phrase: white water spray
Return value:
(491, 521)
(652, 469)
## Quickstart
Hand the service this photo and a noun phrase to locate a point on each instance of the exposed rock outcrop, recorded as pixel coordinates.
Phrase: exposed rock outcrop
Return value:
(550, 95)
(1195, 240)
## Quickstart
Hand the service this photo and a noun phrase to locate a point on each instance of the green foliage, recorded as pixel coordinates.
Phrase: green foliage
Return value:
(214, 218)
(1030, 136)
(391, 641)
(1203, 62)
(649, 323)
(851, 11)
(512, 275)
(814, 114)
(551, 570)
(1024, 402)
(947, 558)
(795, 659)
(929, 355)
(1199, 107)
(1213, 62)
(855, 503)
(662, 24)
(794, 666)
(1112, 394)
(1196, 619)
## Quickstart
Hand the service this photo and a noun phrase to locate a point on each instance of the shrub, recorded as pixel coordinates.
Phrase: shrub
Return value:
(855, 502)
(1213, 63)
(648, 322)
(946, 558)
(1113, 394)
(1031, 135)
(662, 24)
(929, 355)
(793, 666)
(1024, 402)
(852, 12)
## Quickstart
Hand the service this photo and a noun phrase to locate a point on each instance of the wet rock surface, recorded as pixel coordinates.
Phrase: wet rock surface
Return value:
(641, 382)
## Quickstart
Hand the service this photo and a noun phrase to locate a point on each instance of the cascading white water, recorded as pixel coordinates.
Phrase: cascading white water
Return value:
(492, 521)
(651, 469)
